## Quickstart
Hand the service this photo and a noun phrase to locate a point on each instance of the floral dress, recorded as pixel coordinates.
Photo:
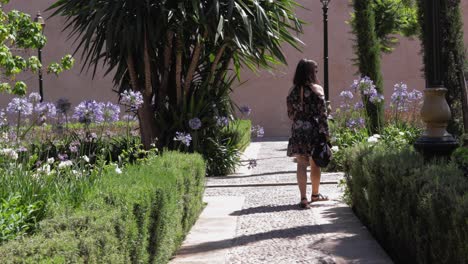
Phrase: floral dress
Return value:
(308, 112)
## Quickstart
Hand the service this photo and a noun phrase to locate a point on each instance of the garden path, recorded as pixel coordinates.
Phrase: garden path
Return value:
(253, 217)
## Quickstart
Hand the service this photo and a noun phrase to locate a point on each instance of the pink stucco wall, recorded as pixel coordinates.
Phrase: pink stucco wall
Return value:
(265, 93)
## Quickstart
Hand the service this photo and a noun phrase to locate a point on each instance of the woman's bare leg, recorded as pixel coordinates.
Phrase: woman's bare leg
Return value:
(315, 175)
(302, 163)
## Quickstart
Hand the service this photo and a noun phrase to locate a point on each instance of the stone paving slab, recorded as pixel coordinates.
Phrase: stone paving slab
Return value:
(212, 235)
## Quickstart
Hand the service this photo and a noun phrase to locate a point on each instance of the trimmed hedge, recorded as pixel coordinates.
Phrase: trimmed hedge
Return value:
(418, 212)
(140, 216)
(244, 128)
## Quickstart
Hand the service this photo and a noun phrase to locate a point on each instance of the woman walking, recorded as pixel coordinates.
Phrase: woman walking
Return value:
(307, 109)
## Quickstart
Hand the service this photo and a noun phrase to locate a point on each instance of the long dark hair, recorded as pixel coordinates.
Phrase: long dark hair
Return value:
(306, 73)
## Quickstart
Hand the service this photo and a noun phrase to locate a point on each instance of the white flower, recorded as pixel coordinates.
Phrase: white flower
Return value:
(118, 170)
(50, 160)
(376, 136)
(10, 153)
(44, 169)
(85, 158)
(401, 133)
(13, 155)
(335, 148)
(65, 164)
(373, 139)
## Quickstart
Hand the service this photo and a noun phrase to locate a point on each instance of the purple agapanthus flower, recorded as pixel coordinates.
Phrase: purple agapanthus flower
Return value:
(22, 149)
(110, 112)
(415, 95)
(129, 118)
(347, 95)
(88, 112)
(358, 106)
(361, 122)
(46, 110)
(222, 121)
(376, 98)
(20, 106)
(131, 99)
(35, 98)
(351, 123)
(400, 93)
(355, 123)
(62, 157)
(74, 146)
(184, 138)
(355, 86)
(245, 110)
(400, 96)
(344, 106)
(195, 123)
(260, 131)
(366, 85)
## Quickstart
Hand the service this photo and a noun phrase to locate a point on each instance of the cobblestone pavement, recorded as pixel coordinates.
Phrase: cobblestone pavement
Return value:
(272, 229)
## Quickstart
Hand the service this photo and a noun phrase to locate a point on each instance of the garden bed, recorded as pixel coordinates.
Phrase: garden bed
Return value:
(418, 211)
(138, 216)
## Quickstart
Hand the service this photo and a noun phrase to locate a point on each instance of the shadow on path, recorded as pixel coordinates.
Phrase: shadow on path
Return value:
(324, 174)
(269, 158)
(274, 208)
(288, 233)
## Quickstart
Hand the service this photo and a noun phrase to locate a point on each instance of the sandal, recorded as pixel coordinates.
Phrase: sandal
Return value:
(318, 198)
(304, 205)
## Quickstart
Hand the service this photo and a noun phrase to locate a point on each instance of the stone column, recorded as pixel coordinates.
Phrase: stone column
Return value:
(436, 141)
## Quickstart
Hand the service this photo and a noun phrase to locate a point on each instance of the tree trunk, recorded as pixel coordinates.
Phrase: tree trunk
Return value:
(214, 66)
(194, 63)
(148, 91)
(163, 91)
(148, 129)
(178, 69)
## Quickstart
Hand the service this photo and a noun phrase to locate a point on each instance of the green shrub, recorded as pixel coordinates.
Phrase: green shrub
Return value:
(139, 216)
(460, 157)
(16, 218)
(392, 136)
(243, 128)
(222, 152)
(417, 211)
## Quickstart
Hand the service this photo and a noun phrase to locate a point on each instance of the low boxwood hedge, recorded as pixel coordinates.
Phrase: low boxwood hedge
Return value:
(244, 128)
(417, 211)
(139, 216)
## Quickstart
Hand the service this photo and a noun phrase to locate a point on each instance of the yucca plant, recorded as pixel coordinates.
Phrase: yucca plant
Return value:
(168, 49)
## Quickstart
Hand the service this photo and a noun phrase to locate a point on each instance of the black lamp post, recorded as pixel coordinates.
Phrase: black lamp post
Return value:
(39, 19)
(435, 111)
(325, 47)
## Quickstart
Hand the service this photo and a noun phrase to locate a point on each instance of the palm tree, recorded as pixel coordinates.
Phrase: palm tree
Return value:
(168, 49)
